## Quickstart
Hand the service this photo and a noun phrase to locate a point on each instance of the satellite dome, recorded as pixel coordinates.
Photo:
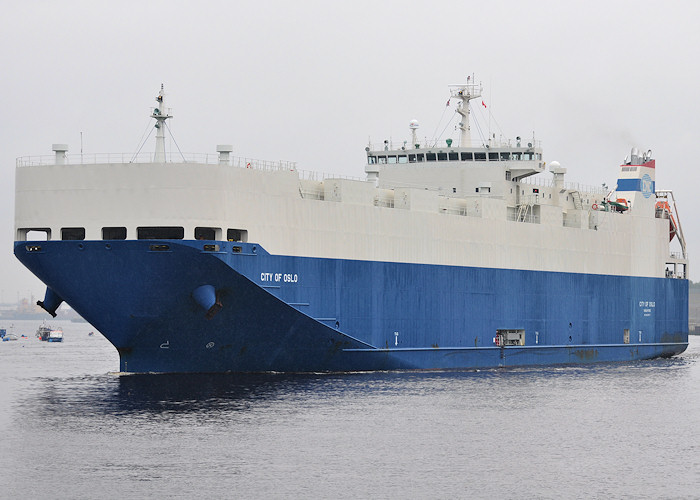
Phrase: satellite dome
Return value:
(413, 124)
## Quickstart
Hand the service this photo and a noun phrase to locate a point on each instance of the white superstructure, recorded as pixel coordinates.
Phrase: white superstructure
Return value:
(462, 206)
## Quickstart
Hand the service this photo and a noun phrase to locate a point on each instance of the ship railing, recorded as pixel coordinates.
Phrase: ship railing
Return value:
(570, 186)
(204, 158)
(408, 185)
(266, 165)
(530, 199)
(312, 175)
(425, 143)
(678, 275)
(123, 158)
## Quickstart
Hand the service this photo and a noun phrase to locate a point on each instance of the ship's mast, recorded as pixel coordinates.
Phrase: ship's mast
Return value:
(160, 114)
(465, 93)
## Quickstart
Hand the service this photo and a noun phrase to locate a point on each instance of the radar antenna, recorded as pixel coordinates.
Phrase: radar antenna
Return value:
(465, 93)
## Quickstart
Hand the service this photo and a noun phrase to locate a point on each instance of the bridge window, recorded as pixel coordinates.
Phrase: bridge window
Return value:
(403, 159)
(505, 156)
(493, 156)
(430, 156)
(160, 233)
(391, 159)
(419, 157)
(516, 156)
(113, 233)
(479, 156)
(467, 156)
(371, 160)
(382, 159)
(442, 156)
(453, 156)
(73, 233)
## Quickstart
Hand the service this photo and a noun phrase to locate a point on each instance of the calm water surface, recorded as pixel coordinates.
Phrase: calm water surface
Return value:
(71, 428)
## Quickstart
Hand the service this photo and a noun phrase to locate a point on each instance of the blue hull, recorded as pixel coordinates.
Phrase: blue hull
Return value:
(282, 313)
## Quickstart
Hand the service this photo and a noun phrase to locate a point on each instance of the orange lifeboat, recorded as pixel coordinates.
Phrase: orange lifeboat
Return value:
(663, 210)
(619, 206)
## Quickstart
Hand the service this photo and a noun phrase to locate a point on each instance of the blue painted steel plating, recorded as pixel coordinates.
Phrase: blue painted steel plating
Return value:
(205, 296)
(644, 185)
(284, 313)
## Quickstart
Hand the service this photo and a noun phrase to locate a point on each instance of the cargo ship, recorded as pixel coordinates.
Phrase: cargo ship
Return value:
(442, 256)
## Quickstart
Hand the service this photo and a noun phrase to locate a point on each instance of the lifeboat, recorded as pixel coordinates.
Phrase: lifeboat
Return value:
(619, 206)
(663, 211)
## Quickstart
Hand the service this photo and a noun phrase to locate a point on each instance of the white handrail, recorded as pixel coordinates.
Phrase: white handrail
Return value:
(122, 158)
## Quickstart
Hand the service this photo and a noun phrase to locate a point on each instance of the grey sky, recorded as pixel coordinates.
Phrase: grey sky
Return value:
(310, 81)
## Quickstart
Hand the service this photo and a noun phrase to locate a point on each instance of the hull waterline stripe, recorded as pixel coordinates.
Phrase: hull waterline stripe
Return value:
(524, 347)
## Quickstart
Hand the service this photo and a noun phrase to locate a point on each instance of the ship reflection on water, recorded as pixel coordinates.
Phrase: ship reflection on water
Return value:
(276, 435)
(158, 393)
(120, 395)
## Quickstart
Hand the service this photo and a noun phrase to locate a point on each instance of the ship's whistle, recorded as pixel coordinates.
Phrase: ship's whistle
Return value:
(51, 302)
(207, 297)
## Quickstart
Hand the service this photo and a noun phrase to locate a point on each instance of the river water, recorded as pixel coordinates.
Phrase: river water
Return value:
(72, 428)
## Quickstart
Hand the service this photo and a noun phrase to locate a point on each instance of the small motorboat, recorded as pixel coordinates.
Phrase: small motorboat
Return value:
(48, 334)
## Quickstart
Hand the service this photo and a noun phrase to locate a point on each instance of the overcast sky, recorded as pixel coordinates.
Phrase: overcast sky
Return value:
(311, 81)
